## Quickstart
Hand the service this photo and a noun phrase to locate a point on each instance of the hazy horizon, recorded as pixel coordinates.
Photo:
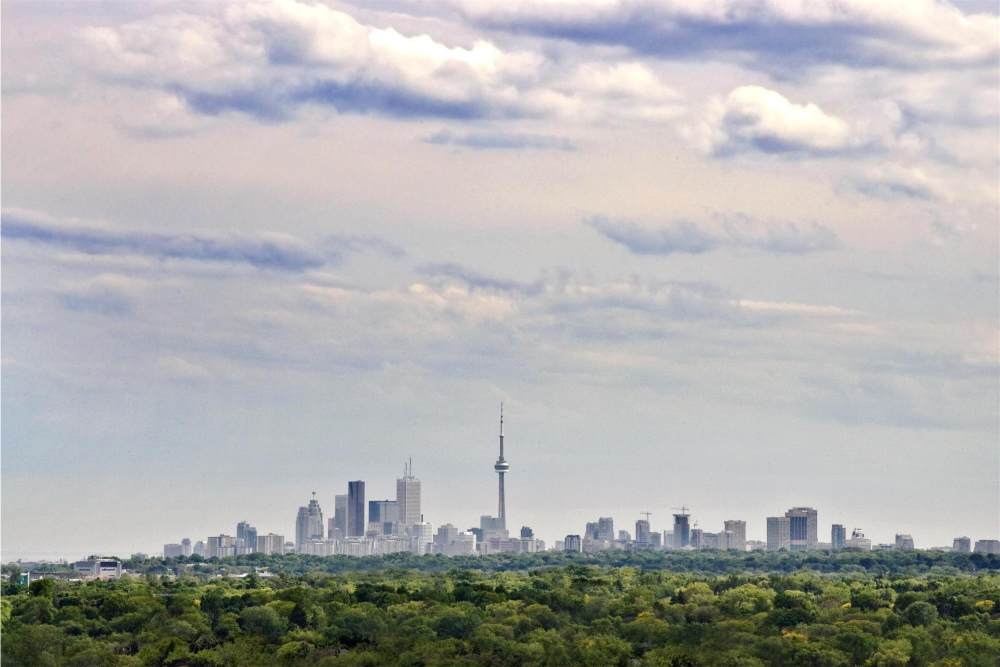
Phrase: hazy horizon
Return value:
(736, 256)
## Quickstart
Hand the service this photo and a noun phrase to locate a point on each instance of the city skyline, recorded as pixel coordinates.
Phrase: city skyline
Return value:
(797, 529)
(736, 255)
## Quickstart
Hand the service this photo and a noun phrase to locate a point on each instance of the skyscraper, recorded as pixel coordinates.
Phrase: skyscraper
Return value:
(904, 542)
(778, 530)
(308, 523)
(408, 498)
(802, 528)
(838, 536)
(682, 530)
(248, 535)
(501, 467)
(340, 516)
(606, 528)
(738, 528)
(301, 528)
(356, 508)
(962, 545)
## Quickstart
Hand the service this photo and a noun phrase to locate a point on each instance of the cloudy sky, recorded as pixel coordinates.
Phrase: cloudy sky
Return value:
(733, 254)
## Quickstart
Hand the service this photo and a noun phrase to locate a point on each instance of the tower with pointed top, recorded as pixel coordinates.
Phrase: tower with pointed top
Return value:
(408, 499)
(501, 467)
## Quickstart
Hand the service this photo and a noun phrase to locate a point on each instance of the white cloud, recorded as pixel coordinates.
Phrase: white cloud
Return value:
(754, 118)
(270, 59)
(792, 308)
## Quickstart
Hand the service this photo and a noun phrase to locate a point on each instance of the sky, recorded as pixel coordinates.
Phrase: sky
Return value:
(735, 255)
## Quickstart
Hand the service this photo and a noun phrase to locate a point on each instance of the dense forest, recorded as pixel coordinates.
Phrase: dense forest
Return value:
(614, 609)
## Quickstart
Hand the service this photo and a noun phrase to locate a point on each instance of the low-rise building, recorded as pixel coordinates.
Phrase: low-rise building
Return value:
(858, 541)
(103, 568)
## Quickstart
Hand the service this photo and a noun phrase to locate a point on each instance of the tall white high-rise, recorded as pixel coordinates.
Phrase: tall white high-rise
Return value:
(339, 517)
(308, 523)
(408, 497)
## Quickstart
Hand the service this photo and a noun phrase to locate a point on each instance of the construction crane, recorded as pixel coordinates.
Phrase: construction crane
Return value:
(682, 508)
(647, 515)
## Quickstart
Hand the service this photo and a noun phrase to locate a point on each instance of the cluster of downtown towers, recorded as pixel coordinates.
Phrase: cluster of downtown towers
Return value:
(393, 526)
(388, 526)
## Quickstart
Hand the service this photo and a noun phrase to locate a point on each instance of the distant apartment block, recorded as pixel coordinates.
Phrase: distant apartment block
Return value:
(173, 550)
(987, 547)
(838, 536)
(270, 544)
(778, 533)
(738, 529)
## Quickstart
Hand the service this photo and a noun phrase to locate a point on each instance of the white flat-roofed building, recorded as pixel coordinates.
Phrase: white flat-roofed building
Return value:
(271, 544)
(317, 548)
(421, 538)
(858, 541)
(102, 568)
(220, 546)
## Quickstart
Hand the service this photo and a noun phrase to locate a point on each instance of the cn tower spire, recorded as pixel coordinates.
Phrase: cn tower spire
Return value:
(501, 467)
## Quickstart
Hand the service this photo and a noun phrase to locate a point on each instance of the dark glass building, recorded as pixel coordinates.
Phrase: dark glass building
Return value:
(356, 509)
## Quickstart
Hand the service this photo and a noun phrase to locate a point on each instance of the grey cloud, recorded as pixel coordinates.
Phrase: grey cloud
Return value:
(338, 243)
(685, 237)
(784, 238)
(278, 252)
(895, 182)
(476, 280)
(680, 237)
(103, 295)
(500, 141)
(787, 36)
(884, 400)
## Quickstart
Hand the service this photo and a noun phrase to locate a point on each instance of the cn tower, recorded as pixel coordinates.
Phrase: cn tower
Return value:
(501, 467)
